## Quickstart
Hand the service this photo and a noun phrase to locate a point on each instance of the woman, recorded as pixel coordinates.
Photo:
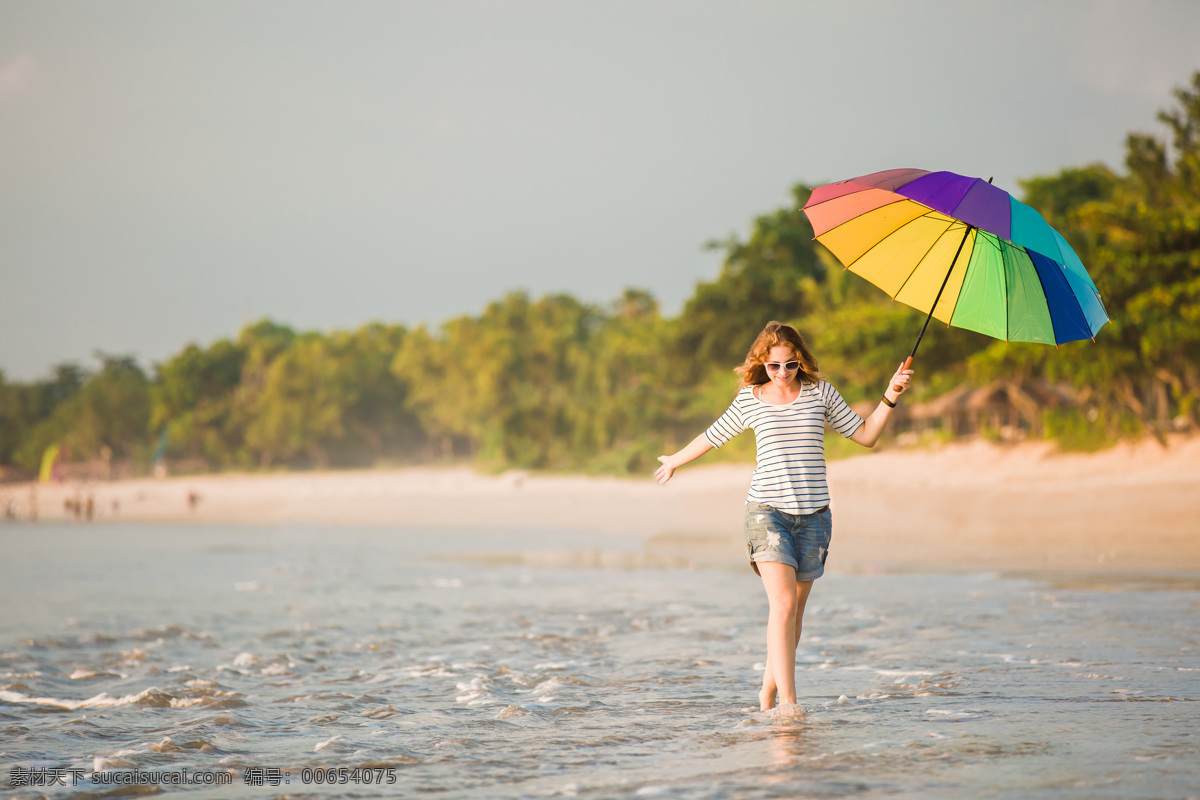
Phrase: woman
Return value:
(787, 523)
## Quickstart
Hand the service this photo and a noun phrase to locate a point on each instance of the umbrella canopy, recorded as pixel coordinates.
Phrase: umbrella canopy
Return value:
(961, 250)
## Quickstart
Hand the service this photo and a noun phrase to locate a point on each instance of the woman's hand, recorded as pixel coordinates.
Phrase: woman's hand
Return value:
(695, 448)
(899, 383)
(664, 472)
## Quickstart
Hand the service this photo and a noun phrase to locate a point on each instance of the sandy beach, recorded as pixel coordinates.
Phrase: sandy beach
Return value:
(975, 505)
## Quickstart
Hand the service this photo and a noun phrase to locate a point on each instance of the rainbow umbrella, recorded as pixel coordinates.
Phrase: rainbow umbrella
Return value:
(962, 250)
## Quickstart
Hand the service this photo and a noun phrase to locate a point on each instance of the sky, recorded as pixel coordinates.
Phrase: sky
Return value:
(170, 172)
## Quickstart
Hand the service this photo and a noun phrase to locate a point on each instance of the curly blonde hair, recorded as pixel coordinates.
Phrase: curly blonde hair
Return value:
(753, 373)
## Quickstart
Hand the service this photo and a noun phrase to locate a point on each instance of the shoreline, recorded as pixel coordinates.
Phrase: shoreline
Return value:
(965, 505)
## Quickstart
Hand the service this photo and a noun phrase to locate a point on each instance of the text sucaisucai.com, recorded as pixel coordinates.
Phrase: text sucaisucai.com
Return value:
(171, 777)
(59, 776)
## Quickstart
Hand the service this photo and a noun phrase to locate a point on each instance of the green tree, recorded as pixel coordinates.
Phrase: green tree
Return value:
(377, 419)
(193, 396)
(300, 404)
(261, 343)
(502, 383)
(24, 407)
(109, 414)
(624, 409)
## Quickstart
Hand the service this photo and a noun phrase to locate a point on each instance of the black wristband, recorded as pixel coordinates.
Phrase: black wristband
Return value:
(888, 403)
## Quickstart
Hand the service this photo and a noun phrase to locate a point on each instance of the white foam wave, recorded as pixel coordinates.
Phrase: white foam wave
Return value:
(476, 693)
(544, 691)
(947, 713)
(786, 713)
(148, 697)
(114, 762)
(82, 673)
(152, 697)
(246, 660)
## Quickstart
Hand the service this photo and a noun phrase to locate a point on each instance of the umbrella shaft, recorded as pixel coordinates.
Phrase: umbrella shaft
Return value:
(946, 280)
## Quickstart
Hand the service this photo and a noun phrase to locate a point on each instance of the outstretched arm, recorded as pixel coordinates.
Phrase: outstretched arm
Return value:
(696, 448)
(868, 433)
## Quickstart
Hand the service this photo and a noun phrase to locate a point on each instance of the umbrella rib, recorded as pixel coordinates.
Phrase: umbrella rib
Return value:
(883, 239)
(945, 280)
(1042, 285)
(899, 199)
(1078, 304)
(1070, 289)
(917, 266)
(994, 242)
(1007, 304)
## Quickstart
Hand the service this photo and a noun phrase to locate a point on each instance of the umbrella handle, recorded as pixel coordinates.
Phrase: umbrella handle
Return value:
(907, 364)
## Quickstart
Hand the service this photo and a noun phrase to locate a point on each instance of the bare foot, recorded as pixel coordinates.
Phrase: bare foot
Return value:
(766, 699)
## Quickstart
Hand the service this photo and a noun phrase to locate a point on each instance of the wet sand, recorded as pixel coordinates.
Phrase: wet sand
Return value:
(964, 506)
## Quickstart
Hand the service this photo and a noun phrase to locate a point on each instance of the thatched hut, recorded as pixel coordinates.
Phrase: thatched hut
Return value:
(1014, 409)
(947, 412)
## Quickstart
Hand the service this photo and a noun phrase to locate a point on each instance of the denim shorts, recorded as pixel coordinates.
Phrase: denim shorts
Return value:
(798, 540)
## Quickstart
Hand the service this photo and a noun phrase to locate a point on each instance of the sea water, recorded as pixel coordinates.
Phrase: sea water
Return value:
(327, 662)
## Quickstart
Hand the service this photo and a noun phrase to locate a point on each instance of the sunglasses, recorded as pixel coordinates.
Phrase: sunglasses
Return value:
(774, 366)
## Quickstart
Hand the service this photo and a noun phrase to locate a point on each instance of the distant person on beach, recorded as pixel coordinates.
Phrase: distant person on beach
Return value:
(788, 525)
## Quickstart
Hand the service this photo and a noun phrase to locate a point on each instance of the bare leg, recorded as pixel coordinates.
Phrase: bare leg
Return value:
(787, 598)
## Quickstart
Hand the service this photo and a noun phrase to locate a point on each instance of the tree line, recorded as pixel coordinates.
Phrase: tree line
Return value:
(557, 383)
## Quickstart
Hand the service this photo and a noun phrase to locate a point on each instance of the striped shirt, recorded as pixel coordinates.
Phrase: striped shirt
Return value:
(790, 473)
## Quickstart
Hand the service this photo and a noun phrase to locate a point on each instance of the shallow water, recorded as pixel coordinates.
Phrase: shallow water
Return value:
(504, 664)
